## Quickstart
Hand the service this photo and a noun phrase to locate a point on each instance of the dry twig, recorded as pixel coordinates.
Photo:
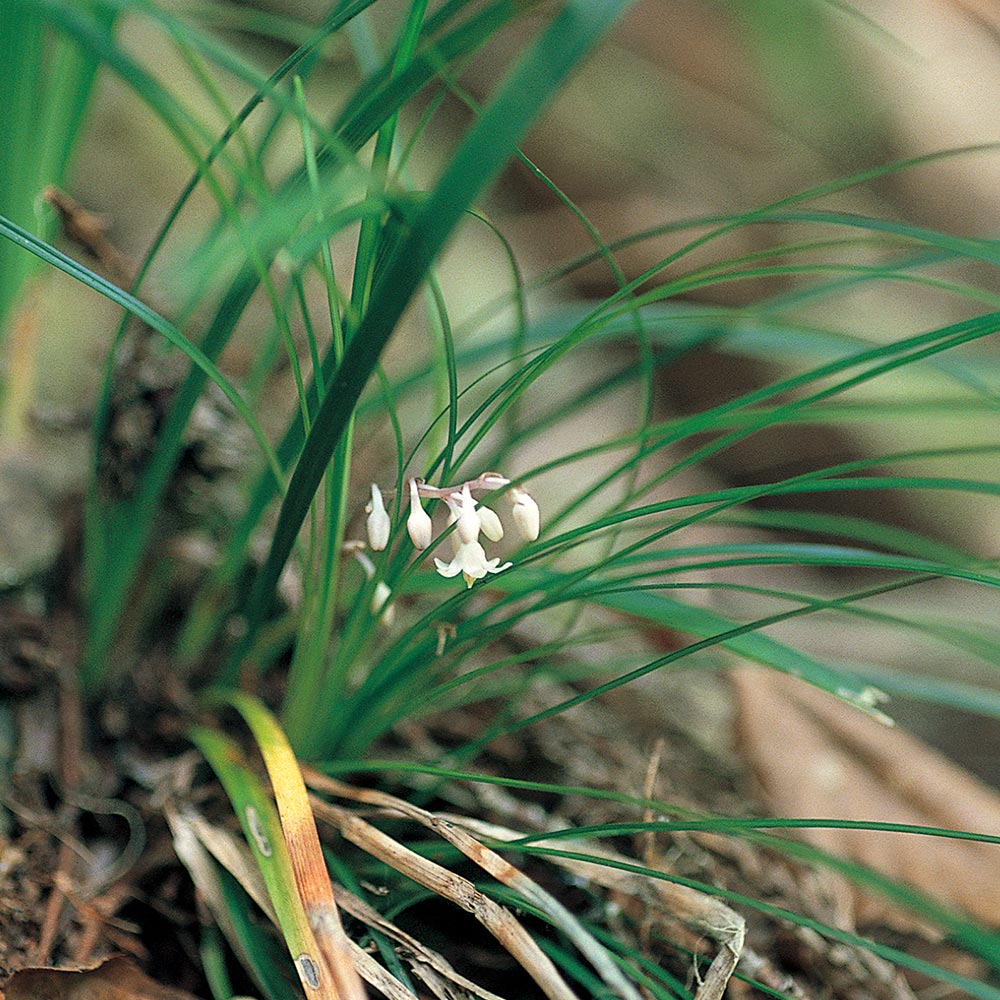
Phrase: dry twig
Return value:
(708, 916)
(493, 864)
(499, 921)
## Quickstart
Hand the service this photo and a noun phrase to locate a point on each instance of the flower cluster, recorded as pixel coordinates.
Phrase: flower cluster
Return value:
(469, 517)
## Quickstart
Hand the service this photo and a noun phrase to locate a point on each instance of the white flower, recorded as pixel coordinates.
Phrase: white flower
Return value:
(380, 603)
(418, 524)
(469, 524)
(378, 524)
(470, 560)
(490, 523)
(525, 513)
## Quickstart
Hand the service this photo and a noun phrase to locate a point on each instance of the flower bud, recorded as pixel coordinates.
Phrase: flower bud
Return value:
(468, 520)
(380, 602)
(492, 481)
(525, 513)
(378, 524)
(418, 524)
(490, 523)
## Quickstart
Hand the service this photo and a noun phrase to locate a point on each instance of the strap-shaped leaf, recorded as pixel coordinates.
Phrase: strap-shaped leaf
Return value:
(482, 155)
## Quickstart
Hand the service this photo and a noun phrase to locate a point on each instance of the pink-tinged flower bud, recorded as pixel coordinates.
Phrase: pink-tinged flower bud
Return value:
(490, 523)
(418, 524)
(526, 515)
(492, 481)
(378, 524)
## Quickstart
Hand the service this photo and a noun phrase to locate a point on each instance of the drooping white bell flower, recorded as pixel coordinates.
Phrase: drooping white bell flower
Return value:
(418, 524)
(378, 524)
(468, 525)
(525, 514)
(470, 560)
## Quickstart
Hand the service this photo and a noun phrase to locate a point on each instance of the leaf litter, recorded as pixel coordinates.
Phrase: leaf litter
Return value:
(71, 869)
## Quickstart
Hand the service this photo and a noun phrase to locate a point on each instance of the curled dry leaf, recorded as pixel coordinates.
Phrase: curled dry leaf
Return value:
(816, 757)
(115, 979)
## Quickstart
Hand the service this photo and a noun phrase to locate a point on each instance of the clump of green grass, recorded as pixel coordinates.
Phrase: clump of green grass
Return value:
(380, 635)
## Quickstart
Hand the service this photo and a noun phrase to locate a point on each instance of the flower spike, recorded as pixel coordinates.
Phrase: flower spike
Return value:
(468, 518)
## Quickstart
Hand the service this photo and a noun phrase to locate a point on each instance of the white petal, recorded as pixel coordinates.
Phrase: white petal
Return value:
(418, 524)
(472, 558)
(378, 524)
(526, 515)
(468, 520)
(490, 523)
(448, 569)
(492, 481)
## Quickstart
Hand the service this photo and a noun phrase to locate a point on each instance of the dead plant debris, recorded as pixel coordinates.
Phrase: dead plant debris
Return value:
(74, 894)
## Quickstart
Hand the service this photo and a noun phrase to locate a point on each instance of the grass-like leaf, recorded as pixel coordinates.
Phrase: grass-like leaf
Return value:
(482, 155)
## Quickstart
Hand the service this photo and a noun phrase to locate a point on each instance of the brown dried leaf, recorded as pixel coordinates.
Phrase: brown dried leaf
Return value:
(115, 979)
(816, 757)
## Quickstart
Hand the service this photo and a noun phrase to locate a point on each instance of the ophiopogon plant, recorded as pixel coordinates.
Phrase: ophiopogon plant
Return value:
(350, 595)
